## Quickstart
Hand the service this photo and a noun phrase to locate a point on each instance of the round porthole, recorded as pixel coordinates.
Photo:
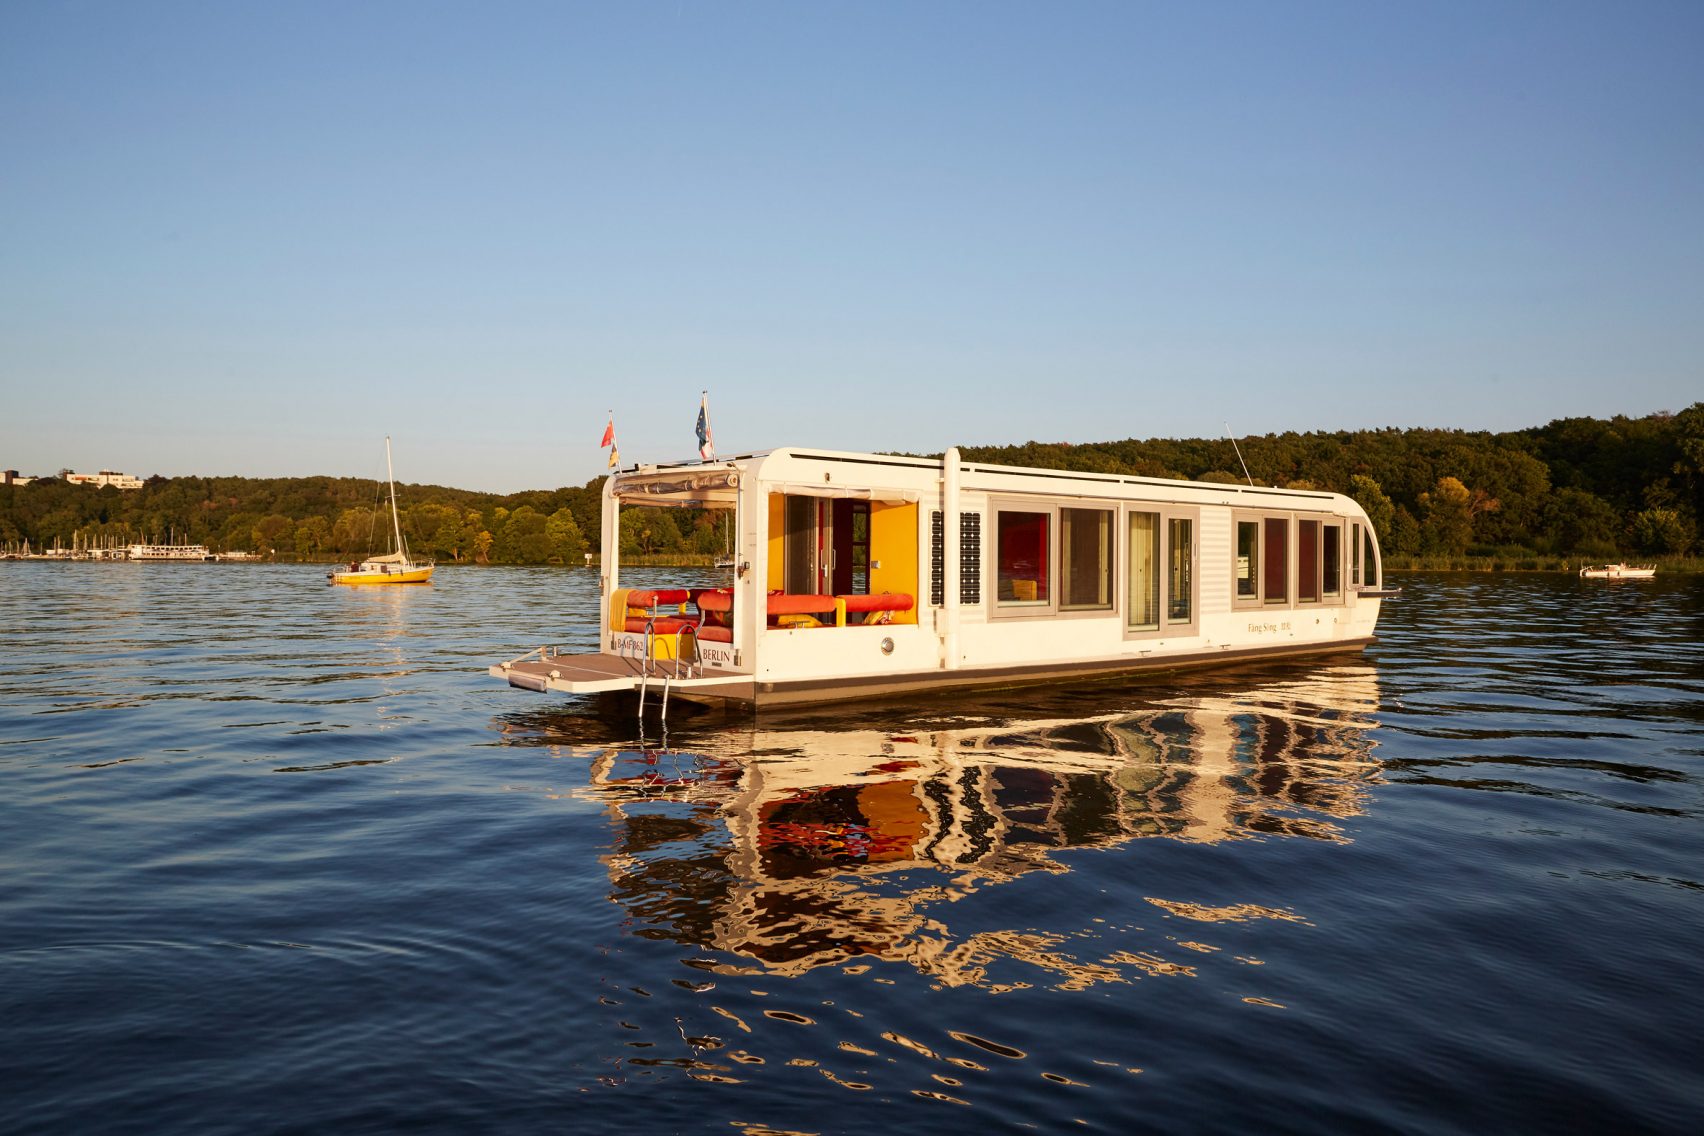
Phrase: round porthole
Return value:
(887, 646)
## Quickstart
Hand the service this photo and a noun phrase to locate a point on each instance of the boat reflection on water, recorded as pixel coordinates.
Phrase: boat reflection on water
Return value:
(804, 847)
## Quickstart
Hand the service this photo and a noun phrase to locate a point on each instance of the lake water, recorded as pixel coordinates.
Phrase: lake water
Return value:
(277, 857)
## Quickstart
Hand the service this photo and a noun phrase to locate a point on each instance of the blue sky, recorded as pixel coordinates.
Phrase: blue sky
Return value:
(254, 239)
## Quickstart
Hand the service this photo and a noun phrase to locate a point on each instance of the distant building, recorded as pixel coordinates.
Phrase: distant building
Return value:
(102, 479)
(10, 477)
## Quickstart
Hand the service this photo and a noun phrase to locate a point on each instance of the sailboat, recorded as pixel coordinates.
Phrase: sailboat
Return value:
(395, 566)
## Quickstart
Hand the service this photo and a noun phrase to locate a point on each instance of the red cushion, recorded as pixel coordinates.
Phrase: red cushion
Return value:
(800, 605)
(662, 625)
(655, 596)
(881, 601)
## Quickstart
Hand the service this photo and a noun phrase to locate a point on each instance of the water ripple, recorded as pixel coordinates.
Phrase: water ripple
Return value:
(278, 857)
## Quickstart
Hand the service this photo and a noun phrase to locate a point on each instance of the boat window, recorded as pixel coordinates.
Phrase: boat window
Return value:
(1331, 561)
(1289, 558)
(1143, 609)
(849, 557)
(1180, 570)
(1355, 555)
(1307, 561)
(1021, 558)
(801, 547)
(1160, 581)
(1274, 577)
(1372, 559)
(1248, 560)
(1085, 559)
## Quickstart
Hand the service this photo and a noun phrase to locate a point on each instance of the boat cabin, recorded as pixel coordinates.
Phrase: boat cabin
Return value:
(858, 575)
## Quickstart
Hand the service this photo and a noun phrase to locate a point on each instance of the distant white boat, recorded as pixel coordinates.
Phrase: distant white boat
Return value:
(1618, 572)
(198, 552)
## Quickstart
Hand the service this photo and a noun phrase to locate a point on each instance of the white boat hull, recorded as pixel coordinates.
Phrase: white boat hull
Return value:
(1617, 572)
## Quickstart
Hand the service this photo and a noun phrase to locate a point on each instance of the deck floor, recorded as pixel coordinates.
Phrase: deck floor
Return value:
(599, 673)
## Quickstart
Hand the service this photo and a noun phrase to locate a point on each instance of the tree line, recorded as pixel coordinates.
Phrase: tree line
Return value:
(1585, 487)
(308, 518)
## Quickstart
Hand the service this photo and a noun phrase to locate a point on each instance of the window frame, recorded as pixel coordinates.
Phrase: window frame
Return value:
(1167, 514)
(1109, 553)
(999, 608)
(1298, 524)
(1310, 556)
(1327, 562)
(1261, 519)
(1238, 597)
(1054, 508)
(1323, 567)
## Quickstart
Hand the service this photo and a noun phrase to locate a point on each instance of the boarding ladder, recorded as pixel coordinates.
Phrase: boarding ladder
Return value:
(680, 649)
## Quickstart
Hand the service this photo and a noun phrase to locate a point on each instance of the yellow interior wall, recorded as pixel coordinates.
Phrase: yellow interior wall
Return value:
(777, 531)
(893, 543)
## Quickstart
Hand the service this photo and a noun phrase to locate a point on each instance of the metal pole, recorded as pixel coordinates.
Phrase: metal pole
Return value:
(390, 475)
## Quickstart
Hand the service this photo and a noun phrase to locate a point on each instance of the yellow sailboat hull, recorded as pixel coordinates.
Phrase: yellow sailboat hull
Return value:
(412, 576)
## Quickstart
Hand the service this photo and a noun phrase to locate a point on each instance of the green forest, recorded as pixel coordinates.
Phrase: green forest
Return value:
(1577, 487)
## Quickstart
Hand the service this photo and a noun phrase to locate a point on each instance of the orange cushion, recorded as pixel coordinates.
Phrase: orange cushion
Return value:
(800, 605)
(662, 625)
(656, 596)
(882, 601)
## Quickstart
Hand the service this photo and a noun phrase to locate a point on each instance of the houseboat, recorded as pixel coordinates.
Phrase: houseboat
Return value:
(866, 575)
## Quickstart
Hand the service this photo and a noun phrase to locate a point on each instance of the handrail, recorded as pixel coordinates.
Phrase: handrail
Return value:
(669, 677)
(539, 651)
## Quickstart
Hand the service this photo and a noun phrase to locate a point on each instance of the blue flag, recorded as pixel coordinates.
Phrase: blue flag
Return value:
(706, 447)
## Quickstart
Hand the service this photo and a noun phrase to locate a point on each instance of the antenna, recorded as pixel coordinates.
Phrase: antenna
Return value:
(1238, 450)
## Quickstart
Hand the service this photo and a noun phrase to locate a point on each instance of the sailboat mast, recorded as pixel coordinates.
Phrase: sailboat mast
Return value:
(390, 475)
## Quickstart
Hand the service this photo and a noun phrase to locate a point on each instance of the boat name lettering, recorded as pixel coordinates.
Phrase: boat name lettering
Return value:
(1263, 628)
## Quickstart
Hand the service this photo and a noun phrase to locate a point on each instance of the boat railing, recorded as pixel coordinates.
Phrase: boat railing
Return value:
(542, 653)
(684, 653)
